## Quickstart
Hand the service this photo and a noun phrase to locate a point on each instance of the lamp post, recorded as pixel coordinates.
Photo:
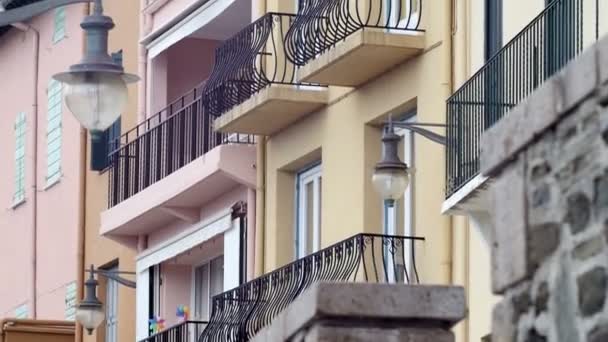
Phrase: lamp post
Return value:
(96, 88)
(89, 312)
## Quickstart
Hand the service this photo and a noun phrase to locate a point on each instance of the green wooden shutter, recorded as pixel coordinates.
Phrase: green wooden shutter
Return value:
(21, 312)
(70, 301)
(53, 133)
(20, 126)
(59, 27)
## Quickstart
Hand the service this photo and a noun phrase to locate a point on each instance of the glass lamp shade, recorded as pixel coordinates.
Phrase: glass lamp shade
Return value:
(90, 317)
(390, 183)
(95, 98)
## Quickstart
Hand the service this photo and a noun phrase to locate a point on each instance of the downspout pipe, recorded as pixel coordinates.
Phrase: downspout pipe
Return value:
(25, 28)
(260, 208)
(82, 205)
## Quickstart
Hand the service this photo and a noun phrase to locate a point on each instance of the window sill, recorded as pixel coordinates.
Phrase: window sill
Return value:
(17, 204)
(52, 183)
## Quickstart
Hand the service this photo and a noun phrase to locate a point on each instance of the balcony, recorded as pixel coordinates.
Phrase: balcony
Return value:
(556, 36)
(184, 332)
(348, 43)
(242, 312)
(252, 88)
(170, 165)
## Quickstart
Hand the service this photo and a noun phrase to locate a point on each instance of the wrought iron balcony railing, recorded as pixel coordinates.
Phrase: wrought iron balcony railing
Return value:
(248, 62)
(242, 312)
(187, 331)
(543, 47)
(162, 144)
(321, 24)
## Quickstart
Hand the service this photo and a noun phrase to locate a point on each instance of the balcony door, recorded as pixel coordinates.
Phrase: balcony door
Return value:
(562, 34)
(112, 309)
(308, 210)
(495, 103)
(208, 282)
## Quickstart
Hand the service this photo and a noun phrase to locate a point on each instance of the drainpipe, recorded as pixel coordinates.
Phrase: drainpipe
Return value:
(251, 233)
(34, 174)
(447, 86)
(145, 26)
(81, 230)
(260, 208)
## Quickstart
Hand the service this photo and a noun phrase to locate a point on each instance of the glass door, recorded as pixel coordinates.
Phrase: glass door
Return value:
(308, 199)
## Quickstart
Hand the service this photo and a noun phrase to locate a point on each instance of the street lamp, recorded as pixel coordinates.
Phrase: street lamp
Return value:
(96, 88)
(89, 312)
(391, 175)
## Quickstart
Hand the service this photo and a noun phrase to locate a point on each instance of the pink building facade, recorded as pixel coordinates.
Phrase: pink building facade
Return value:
(41, 145)
(181, 194)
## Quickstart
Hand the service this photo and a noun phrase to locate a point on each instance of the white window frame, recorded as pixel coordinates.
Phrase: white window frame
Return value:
(311, 175)
(111, 308)
(20, 145)
(208, 294)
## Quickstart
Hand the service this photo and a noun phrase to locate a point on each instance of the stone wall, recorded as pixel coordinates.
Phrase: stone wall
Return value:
(549, 162)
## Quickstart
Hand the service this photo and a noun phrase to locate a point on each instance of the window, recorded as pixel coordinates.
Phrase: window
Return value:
(20, 125)
(59, 27)
(208, 282)
(53, 133)
(111, 308)
(21, 312)
(308, 203)
(70, 301)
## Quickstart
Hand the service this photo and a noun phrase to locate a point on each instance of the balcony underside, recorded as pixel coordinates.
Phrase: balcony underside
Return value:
(272, 109)
(180, 195)
(363, 56)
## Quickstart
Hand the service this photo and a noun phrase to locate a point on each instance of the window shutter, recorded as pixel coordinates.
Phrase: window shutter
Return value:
(70, 301)
(59, 27)
(20, 125)
(53, 133)
(21, 312)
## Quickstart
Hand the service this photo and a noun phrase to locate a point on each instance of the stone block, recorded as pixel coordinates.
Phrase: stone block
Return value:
(542, 298)
(543, 241)
(588, 249)
(369, 305)
(592, 286)
(509, 246)
(500, 143)
(545, 105)
(598, 334)
(578, 212)
(504, 328)
(321, 333)
(580, 78)
(602, 59)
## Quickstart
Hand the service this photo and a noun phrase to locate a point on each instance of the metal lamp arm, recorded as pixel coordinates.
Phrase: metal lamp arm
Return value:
(27, 12)
(116, 277)
(417, 128)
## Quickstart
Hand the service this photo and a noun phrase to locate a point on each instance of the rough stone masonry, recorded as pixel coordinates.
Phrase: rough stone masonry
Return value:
(549, 163)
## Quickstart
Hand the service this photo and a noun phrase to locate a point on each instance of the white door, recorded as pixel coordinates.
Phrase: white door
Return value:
(308, 202)
(112, 309)
(403, 14)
